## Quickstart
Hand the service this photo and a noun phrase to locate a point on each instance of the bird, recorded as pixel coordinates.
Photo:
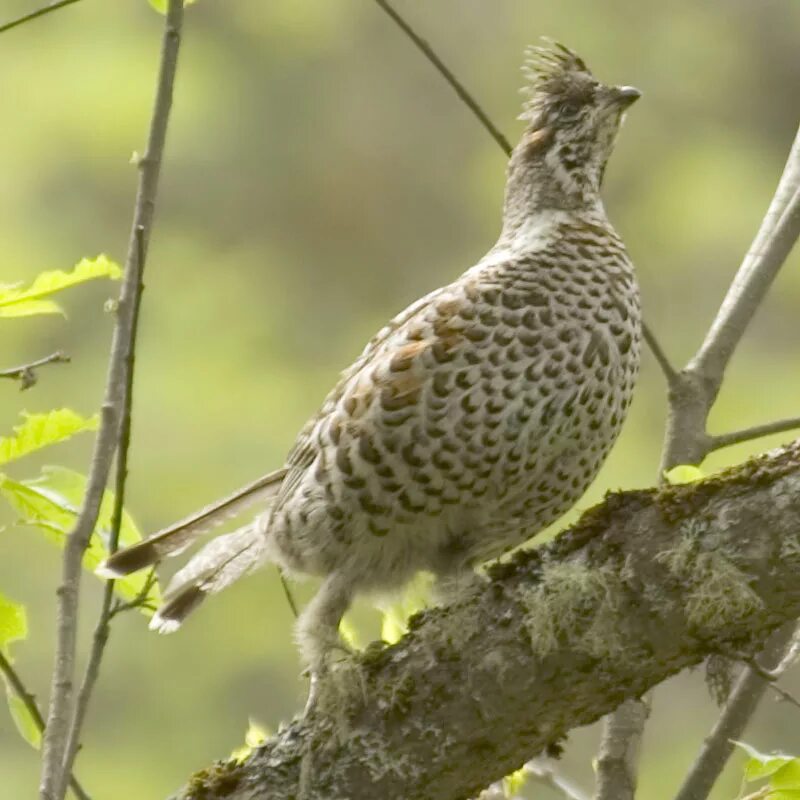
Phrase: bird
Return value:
(475, 418)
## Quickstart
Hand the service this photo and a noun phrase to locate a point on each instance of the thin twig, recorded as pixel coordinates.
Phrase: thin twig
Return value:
(544, 774)
(103, 627)
(7, 26)
(61, 705)
(138, 602)
(457, 86)
(21, 691)
(756, 432)
(661, 357)
(26, 373)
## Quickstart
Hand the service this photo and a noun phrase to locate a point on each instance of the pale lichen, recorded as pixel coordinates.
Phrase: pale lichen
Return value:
(717, 591)
(575, 604)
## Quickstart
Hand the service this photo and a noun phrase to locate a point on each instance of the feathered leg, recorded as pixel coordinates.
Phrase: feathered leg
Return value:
(317, 630)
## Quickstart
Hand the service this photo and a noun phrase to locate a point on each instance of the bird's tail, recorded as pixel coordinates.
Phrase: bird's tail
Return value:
(220, 563)
(177, 537)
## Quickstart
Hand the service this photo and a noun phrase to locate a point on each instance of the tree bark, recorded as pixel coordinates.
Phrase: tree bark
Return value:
(645, 585)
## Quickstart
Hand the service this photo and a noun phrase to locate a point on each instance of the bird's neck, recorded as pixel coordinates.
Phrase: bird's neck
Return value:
(526, 227)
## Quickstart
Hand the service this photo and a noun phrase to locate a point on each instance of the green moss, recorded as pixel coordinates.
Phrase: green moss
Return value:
(219, 780)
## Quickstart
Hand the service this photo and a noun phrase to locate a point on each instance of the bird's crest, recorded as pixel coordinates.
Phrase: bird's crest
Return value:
(551, 70)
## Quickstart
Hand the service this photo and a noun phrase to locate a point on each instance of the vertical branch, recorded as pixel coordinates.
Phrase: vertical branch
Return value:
(52, 785)
(618, 756)
(103, 627)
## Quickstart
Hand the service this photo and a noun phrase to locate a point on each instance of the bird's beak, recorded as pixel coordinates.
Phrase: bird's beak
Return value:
(625, 96)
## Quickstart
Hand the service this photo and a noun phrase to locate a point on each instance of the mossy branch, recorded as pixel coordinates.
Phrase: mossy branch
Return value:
(661, 579)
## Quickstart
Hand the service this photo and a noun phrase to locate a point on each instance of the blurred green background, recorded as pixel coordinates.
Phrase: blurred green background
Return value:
(320, 176)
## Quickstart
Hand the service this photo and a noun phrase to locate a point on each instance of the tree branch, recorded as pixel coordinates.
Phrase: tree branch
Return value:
(661, 357)
(457, 86)
(54, 754)
(756, 432)
(777, 235)
(645, 585)
(26, 373)
(16, 683)
(14, 23)
(103, 627)
(742, 704)
(691, 397)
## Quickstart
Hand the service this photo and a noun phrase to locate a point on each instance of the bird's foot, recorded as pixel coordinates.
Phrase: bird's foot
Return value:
(333, 678)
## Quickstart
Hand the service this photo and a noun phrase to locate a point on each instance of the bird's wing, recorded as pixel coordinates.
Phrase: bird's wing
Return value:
(305, 449)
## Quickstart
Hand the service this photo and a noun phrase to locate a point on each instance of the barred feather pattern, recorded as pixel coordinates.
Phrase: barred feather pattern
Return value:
(479, 414)
(472, 421)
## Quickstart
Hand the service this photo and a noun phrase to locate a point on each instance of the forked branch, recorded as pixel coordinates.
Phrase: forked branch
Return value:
(27, 374)
(58, 743)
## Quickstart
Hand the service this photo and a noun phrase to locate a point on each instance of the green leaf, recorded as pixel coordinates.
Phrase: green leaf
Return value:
(683, 473)
(161, 5)
(16, 302)
(395, 615)
(349, 633)
(23, 719)
(13, 622)
(51, 503)
(791, 794)
(787, 777)
(761, 765)
(515, 782)
(40, 430)
(256, 736)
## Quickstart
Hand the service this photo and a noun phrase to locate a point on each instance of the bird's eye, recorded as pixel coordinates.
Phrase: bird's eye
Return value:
(569, 109)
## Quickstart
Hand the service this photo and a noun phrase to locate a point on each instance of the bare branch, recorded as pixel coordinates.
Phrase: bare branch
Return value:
(15, 682)
(138, 602)
(686, 441)
(661, 357)
(7, 26)
(509, 667)
(718, 745)
(103, 626)
(618, 756)
(457, 86)
(773, 242)
(26, 373)
(52, 785)
(756, 432)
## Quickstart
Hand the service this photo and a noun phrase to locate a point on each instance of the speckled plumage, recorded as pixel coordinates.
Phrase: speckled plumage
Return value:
(479, 414)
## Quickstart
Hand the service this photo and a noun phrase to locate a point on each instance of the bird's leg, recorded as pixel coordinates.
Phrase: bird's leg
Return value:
(317, 630)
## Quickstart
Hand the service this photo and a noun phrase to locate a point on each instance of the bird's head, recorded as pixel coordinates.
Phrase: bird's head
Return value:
(572, 122)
